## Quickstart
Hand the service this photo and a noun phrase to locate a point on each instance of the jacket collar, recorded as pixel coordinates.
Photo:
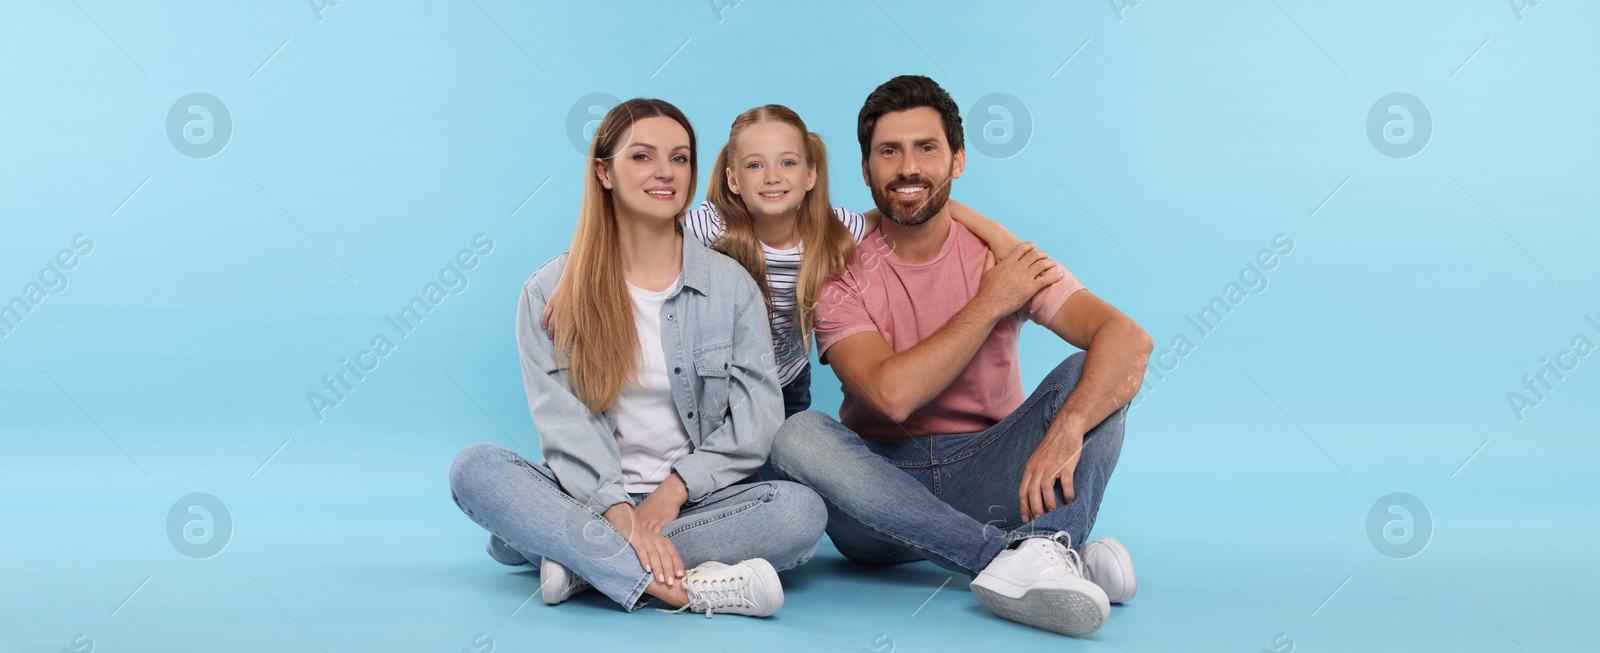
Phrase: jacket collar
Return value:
(696, 263)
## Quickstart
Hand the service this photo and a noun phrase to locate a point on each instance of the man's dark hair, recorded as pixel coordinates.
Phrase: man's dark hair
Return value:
(909, 92)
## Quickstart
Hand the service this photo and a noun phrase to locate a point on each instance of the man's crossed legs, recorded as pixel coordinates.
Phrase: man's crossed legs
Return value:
(953, 500)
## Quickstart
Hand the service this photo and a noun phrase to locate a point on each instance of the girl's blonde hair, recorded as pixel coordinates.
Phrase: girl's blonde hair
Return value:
(601, 343)
(826, 244)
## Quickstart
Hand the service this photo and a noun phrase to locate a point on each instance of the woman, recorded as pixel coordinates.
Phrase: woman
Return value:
(653, 410)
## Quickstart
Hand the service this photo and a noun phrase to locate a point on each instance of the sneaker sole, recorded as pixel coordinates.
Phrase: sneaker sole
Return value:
(1124, 563)
(1068, 612)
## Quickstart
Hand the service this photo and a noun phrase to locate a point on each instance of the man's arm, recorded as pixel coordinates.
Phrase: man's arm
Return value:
(1117, 348)
(896, 385)
(1112, 372)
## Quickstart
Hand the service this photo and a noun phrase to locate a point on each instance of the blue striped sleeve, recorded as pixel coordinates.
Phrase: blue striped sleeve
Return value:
(705, 223)
(855, 222)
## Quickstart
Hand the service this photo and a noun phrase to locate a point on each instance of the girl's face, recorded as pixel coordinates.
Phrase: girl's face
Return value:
(650, 173)
(769, 169)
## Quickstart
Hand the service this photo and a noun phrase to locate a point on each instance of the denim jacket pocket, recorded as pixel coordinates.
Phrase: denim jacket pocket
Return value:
(711, 364)
(557, 363)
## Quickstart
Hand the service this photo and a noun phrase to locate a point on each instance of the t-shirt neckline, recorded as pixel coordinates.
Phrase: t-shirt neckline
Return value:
(656, 294)
(944, 249)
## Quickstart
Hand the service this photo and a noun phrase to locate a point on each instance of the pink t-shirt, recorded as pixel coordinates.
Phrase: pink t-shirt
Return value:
(907, 304)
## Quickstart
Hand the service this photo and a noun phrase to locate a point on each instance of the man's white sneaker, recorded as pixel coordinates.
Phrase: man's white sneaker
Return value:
(1106, 563)
(1040, 583)
(748, 588)
(557, 583)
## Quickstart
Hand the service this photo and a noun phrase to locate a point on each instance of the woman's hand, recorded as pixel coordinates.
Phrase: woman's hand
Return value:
(656, 554)
(662, 506)
(555, 310)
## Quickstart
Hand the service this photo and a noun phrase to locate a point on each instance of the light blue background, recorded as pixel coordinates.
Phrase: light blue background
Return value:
(372, 144)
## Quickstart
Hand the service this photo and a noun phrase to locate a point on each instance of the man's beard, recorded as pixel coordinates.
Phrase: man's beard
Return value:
(915, 214)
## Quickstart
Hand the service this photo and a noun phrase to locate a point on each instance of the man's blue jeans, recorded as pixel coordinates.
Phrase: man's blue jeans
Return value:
(948, 499)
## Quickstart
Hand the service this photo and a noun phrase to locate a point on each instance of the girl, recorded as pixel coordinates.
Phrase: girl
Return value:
(651, 410)
(768, 208)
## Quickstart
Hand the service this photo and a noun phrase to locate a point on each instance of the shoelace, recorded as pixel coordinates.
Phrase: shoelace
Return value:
(1067, 556)
(712, 594)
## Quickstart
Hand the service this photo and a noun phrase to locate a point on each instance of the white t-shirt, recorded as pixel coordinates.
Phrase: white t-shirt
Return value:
(783, 271)
(650, 437)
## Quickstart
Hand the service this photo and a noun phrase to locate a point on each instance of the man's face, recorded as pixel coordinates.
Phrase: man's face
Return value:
(909, 166)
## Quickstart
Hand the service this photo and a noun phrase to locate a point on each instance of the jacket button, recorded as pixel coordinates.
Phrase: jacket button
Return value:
(691, 414)
(677, 370)
(669, 317)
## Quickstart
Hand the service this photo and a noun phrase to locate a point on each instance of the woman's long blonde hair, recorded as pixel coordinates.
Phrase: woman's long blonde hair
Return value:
(601, 343)
(826, 244)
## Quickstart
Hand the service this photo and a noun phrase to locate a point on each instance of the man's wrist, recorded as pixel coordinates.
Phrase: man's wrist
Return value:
(988, 310)
(1068, 427)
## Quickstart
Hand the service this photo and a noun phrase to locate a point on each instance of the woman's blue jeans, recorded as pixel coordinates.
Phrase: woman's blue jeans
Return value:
(521, 503)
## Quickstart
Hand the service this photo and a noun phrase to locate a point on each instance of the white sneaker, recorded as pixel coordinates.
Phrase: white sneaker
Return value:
(1106, 563)
(748, 588)
(557, 583)
(503, 553)
(1040, 583)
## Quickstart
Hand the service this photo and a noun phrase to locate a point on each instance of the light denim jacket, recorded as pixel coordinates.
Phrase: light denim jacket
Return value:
(718, 343)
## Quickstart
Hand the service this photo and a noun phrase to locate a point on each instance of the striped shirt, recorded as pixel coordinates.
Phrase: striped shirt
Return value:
(783, 270)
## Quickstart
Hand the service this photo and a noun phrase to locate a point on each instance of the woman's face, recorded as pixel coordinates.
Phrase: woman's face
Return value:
(770, 171)
(649, 176)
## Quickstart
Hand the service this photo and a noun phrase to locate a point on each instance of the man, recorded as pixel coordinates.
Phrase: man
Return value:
(939, 457)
